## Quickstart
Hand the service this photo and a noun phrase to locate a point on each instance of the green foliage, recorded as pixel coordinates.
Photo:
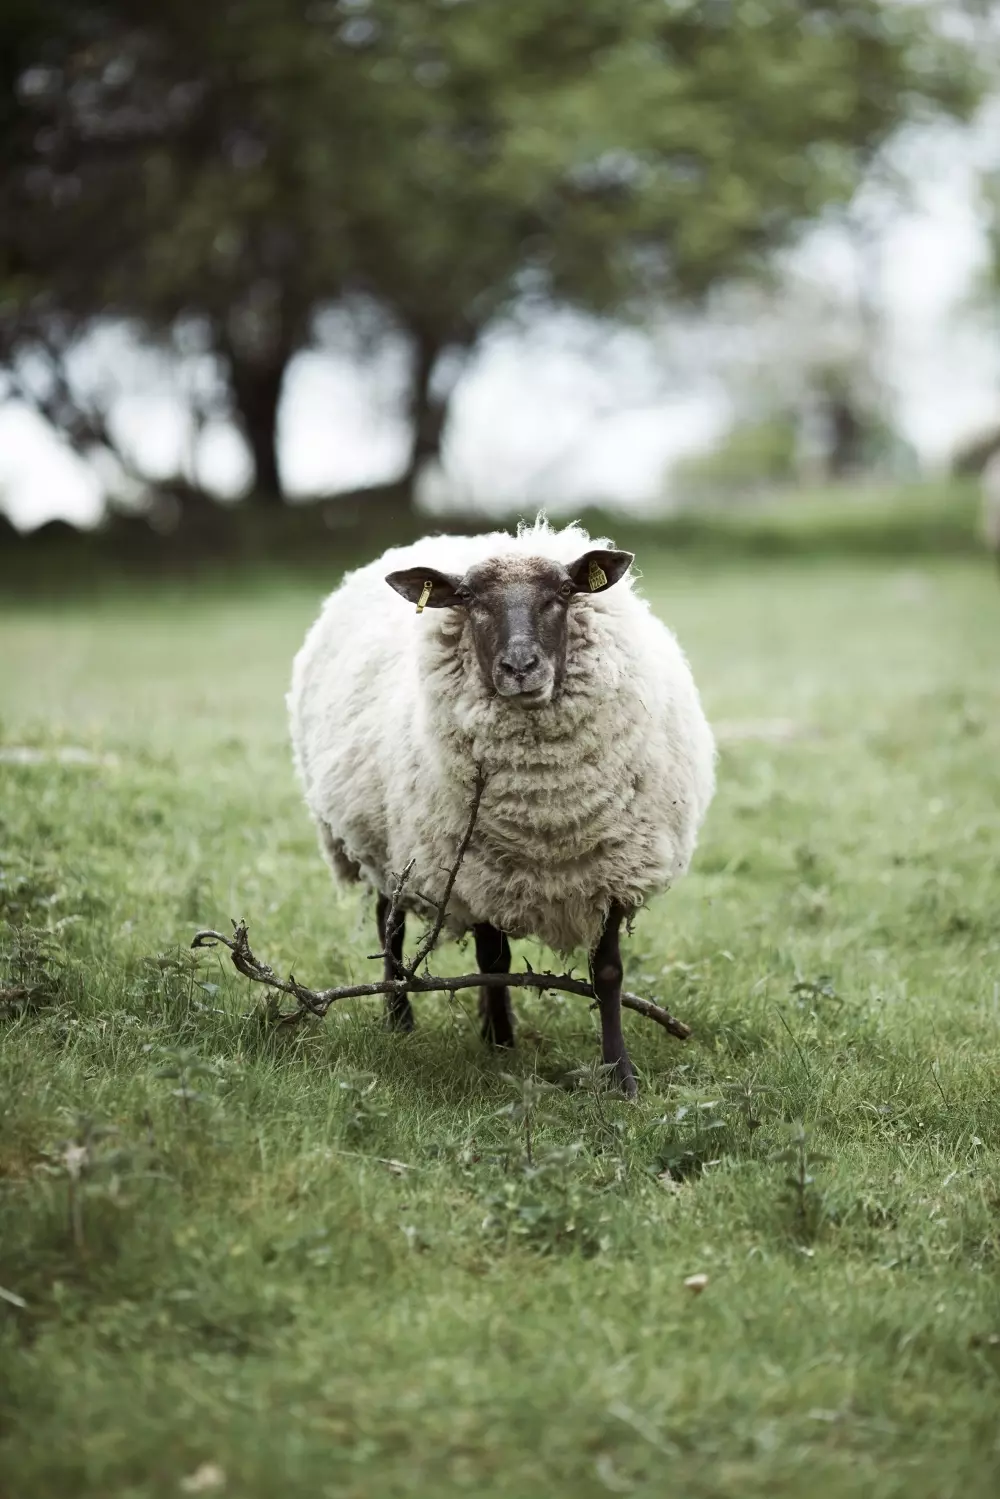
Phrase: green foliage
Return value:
(335, 1269)
(92, 1165)
(799, 1183)
(219, 174)
(748, 456)
(876, 520)
(552, 1203)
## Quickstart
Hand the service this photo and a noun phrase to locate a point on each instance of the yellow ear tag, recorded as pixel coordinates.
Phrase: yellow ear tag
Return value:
(596, 577)
(425, 594)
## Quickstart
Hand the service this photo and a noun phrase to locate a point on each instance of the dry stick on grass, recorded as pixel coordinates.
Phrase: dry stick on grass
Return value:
(318, 1001)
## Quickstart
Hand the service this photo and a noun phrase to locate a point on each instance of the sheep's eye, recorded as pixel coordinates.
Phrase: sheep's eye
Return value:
(566, 591)
(464, 595)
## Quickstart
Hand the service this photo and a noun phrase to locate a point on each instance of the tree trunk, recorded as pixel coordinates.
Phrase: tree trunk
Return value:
(846, 440)
(427, 412)
(256, 392)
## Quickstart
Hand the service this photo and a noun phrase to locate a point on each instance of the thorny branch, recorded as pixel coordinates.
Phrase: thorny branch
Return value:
(430, 941)
(407, 980)
(318, 1001)
(399, 967)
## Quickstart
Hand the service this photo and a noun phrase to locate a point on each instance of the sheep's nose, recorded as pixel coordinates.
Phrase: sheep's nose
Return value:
(519, 660)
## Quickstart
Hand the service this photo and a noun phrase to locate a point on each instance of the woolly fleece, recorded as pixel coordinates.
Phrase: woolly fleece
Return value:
(593, 799)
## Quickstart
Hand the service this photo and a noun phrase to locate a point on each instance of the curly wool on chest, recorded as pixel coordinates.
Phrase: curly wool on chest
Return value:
(557, 837)
(556, 775)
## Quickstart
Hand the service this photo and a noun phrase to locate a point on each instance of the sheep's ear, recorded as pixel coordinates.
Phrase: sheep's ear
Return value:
(426, 587)
(598, 570)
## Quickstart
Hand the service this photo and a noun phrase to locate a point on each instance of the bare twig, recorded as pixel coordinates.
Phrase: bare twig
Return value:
(318, 1001)
(653, 1011)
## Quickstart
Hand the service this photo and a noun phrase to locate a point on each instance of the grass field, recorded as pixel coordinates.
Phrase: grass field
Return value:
(317, 1262)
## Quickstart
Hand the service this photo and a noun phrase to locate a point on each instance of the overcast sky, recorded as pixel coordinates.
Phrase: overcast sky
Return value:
(558, 413)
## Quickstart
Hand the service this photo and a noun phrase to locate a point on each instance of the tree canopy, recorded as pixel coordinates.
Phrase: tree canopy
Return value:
(238, 168)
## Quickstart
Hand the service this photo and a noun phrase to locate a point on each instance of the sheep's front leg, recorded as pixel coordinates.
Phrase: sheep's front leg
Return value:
(398, 1010)
(606, 976)
(495, 1012)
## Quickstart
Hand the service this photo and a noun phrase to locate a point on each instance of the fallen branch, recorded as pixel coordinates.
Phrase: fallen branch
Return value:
(318, 1001)
(406, 979)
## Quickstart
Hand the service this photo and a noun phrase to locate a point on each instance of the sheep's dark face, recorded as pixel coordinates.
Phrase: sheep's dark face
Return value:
(518, 610)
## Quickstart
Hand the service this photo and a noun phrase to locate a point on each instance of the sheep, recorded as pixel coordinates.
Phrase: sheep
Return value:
(529, 659)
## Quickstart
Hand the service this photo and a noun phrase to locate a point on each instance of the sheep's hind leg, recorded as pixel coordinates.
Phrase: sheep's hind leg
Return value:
(398, 1010)
(495, 1011)
(606, 976)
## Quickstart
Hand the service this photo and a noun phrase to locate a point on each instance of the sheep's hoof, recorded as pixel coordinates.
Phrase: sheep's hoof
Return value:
(626, 1078)
(497, 1017)
(506, 1042)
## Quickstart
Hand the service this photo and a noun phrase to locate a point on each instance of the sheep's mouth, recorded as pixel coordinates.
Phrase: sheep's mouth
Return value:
(535, 689)
(535, 697)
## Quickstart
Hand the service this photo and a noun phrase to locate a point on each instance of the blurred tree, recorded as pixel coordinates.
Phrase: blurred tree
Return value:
(751, 455)
(232, 169)
(801, 362)
(609, 156)
(159, 176)
(971, 457)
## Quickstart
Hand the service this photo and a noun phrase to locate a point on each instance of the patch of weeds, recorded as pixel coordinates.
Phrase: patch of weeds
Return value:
(30, 972)
(525, 1108)
(819, 999)
(550, 1205)
(24, 891)
(807, 862)
(799, 1184)
(170, 984)
(703, 1130)
(463, 1152)
(810, 992)
(689, 977)
(545, 1200)
(93, 1163)
(363, 1112)
(747, 1099)
(33, 888)
(960, 924)
(198, 1081)
(261, 1030)
(597, 1082)
(142, 810)
(697, 1135)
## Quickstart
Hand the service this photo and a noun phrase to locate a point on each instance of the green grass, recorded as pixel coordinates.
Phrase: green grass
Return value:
(260, 1285)
(878, 520)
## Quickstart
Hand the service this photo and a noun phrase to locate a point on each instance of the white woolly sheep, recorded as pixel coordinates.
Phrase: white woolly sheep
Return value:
(533, 657)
